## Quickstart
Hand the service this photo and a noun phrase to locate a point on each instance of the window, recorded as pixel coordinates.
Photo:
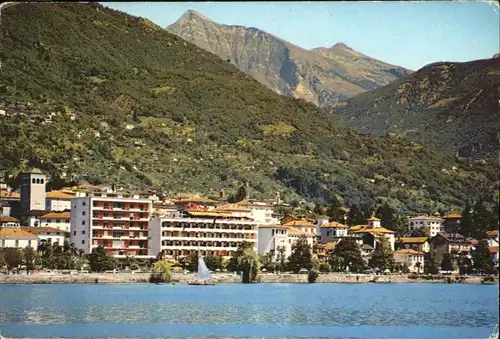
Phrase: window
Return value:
(83, 222)
(84, 203)
(33, 180)
(3, 242)
(58, 221)
(29, 243)
(17, 243)
(83, 212)
(83, 242)
(37, 181)
(74, 232)
(83, 232)
(41, 181)
(67, 221)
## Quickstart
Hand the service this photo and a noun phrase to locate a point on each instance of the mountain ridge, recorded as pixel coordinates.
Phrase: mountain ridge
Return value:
(321, 76)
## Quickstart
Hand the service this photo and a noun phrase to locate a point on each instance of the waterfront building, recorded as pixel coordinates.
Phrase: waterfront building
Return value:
(333, 231)
(433, 225)
(452, 243)
(165, 209)
(420, 244)
(117, 222)
(15, 237)
(372, 232)
(261, 211)
(413, 259)
(59, 220)
(209, 231)
(50, 235)
(274, 239)
(304, 225)
(58, 201)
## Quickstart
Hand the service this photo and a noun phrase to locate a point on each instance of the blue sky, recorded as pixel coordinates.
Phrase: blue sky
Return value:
(408, 34)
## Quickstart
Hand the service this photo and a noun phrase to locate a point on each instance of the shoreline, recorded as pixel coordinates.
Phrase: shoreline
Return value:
(178, 278)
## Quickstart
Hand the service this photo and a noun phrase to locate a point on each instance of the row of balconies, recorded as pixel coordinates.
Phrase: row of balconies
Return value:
(209, 239)
(209, 227)
(115, 218)
(196, 247)
(207, 221)
(125, 237)
(120, 227)
(210, 235)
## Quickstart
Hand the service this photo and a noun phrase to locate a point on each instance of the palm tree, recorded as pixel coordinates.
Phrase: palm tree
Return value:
(162, 271)
(249, 263)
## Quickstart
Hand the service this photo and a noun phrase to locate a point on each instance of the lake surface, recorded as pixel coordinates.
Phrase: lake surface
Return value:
(250, 311)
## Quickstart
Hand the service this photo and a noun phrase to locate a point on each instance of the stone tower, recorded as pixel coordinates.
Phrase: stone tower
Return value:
(33, 191)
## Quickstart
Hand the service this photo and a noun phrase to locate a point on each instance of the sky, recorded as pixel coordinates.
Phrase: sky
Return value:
(408, 34)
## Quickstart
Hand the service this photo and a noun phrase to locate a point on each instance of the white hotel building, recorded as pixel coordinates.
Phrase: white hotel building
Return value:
(115, 221)
(218, 231)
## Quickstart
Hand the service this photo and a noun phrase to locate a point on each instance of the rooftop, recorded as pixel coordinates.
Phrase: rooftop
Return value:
(15, 232)
(425, 217)
(300, 223)
(453, 216)
(373, 219)
(493, 233)
(4, 194)
(334, 224)
(36, 230)
(409, 251)
(58, 195)
(294, 231)
(367, 229)
(6, 219)
(56, 215)
(413, 240)
(232, 208)
(494, 249)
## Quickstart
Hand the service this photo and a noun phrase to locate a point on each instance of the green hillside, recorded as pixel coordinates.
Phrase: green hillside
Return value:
(135, 105)
(450, 106)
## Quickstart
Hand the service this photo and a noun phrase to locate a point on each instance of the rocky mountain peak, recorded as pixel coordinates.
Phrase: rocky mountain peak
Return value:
(191, 15)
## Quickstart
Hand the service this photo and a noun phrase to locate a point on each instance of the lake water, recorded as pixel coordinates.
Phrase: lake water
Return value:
(257, 311)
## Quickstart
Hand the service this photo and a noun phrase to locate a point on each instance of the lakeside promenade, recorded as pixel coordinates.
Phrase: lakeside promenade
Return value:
(126, 278)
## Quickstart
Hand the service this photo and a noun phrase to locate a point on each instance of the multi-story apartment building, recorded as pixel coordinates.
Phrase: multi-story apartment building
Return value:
(209, 231)
(274, 239)
(115, 221)
(433, 224)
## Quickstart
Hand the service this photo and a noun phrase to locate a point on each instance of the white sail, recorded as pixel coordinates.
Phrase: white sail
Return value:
(203, 271)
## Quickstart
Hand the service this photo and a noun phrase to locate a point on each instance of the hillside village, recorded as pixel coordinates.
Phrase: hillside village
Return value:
(144, 225)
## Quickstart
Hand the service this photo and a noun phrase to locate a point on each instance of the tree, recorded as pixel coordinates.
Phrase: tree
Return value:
(281, 257)
(446, 263)
(386, 215)
(400, 225)
(421, 232)
(347, 253)
(335, 211)
(29, 258)
(301, 256)
(232, 265)
(192, 262)
(481, 220)
(162, 271)
(249, 264)
(213, 262)
(240, 195)
(324, 267)
(320, 209)
(418, 265)
(355, 216)
(99, 260)
(13, 257)
(481, 257)
(430, 265)
(382, 257)
(466, 224)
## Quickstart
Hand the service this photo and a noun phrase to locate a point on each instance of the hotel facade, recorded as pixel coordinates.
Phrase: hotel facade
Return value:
(119, 223)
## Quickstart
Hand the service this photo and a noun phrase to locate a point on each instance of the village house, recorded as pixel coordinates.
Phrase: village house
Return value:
(15, 237)
(452, 243)
(58, 220)
(165, 209)
(303, 225)
(433, 225)
(372, 232)
(58, 201)
(413, 259)
(294, 234)
(6, 221)
(261, 211)
(420, 244)
(50, 235)
(332, 231)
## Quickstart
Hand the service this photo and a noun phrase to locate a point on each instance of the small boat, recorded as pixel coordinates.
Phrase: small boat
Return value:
(203, 275)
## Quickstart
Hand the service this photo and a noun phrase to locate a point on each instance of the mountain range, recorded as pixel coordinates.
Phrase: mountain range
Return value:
(90, 92)
(322, 76)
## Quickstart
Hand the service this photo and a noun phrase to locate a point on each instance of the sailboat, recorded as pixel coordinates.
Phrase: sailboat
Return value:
(203, 275)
